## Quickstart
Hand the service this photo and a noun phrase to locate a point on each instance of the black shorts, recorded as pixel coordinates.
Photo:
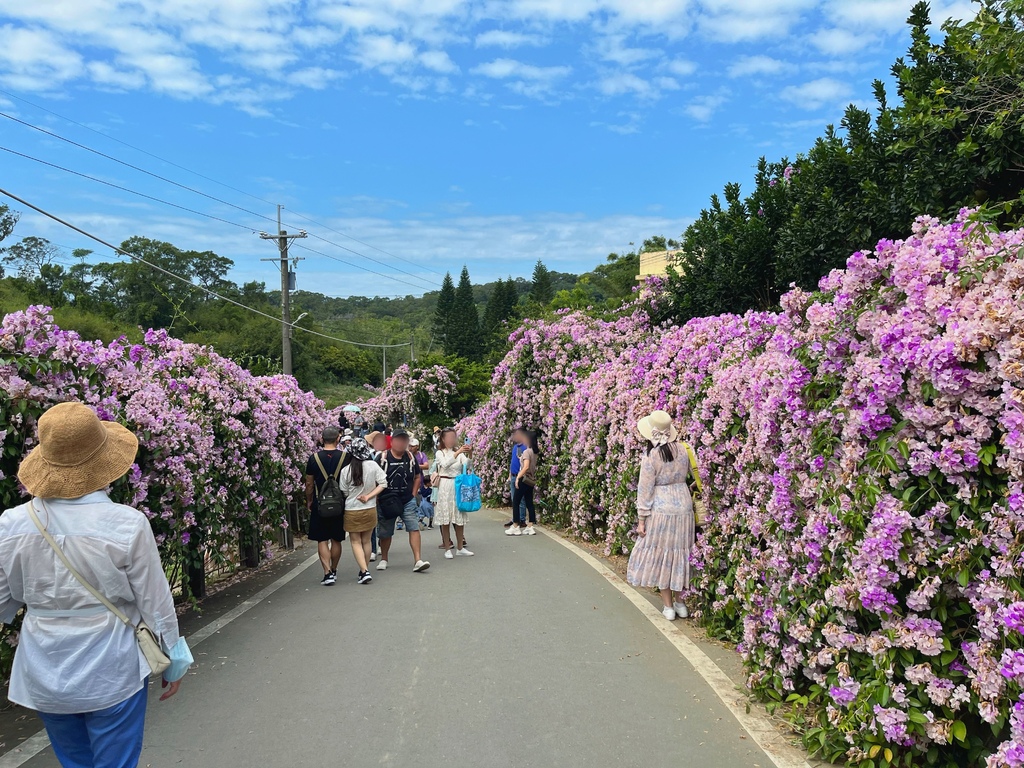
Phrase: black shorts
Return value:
(326, 529)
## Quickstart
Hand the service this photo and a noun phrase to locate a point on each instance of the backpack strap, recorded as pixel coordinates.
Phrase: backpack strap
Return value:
(693, 467)
(337, 470)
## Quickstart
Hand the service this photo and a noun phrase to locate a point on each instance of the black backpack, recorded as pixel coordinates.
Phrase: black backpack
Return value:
(330, 499)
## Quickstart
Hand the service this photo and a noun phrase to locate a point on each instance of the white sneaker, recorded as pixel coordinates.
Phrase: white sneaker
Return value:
(669, 613)
(421, 565)
(449, 554)
(515, 530)
(681, 611)
(373, 556)
(382, 565)
(464, 553)
(530, 531)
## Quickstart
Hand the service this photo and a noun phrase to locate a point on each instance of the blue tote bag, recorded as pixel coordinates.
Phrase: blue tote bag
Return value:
(467, 491)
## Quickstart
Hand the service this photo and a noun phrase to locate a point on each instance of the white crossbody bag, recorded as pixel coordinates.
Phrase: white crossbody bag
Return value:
(149, 645)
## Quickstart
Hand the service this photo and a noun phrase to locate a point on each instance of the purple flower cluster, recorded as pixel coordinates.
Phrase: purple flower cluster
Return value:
(221, 451)
(863, 462)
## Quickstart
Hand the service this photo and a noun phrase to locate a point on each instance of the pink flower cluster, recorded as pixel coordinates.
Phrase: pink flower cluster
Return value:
(863, 463)
(221, 451)
(409, 393)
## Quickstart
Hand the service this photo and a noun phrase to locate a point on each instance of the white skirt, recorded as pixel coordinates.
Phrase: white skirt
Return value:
(445, 511)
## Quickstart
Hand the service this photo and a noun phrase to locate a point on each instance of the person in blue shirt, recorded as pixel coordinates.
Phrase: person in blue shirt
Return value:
(518, 446)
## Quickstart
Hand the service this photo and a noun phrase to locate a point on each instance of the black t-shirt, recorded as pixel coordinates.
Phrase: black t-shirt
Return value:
(400, 475)
(330, 461)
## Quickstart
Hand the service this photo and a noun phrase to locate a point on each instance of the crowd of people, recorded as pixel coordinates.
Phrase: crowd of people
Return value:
(391, 484)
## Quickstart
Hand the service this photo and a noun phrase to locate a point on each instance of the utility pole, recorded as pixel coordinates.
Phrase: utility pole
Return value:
(287, 278)
(384, 351)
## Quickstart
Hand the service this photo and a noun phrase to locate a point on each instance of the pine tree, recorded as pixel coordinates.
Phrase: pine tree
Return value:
(510, 301)
(542, 290)
(465, 322)
(443, 314)
(492, 313)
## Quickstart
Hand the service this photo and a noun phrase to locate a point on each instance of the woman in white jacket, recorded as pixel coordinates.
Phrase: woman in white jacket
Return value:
(77, 664)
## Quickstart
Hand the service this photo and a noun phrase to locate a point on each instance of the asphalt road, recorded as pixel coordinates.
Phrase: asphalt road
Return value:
(520, 656)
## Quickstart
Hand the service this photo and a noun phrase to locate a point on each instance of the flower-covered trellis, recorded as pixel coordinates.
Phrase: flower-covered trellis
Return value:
(863, 454)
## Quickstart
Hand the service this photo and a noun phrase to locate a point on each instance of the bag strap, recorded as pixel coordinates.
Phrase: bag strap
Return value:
(693, 466)
(336, 474)
(67, 564)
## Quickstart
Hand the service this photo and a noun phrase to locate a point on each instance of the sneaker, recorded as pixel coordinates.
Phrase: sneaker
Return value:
(373, 556)
(382, 565)
(515, 530)
(364, 577)
(681, 610)
(510, 523)
(464, 553)
(669, 613)
(328, 580)
(529, 531)
(421, 566)
(449, 554)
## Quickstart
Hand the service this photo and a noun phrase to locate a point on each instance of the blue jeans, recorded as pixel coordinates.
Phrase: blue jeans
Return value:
(410, 519)
(522, 504)
(109, 738)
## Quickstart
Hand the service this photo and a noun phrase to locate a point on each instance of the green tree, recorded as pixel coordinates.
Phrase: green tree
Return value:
(541, 291)
(465, 322)
(443, 314)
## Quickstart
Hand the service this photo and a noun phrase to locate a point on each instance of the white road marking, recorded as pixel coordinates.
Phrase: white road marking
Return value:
(760, 729)
(36, 743)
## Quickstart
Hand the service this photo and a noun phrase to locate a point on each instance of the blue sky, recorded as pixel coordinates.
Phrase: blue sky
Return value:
(447, 132)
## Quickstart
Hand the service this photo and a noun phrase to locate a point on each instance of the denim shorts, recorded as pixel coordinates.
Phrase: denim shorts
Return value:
(410, 519)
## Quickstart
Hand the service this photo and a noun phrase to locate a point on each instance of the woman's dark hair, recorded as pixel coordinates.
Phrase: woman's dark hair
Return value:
(666, 452)
(356, 468)
(531, 440)
(440, 439)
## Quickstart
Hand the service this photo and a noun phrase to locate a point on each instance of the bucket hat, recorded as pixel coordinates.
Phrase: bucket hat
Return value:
(658, 428)
(77, 453)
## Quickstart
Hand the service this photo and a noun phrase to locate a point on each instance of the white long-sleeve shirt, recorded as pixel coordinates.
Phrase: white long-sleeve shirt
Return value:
(73, 654)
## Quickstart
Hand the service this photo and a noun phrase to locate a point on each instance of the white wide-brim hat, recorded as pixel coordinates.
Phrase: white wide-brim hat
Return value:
(658, 427)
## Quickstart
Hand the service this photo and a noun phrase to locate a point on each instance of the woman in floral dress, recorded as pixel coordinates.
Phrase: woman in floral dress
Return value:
(661, 556)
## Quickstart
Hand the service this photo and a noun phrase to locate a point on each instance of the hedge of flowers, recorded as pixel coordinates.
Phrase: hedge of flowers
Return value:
(863, 459)
(221, 451)
(412, 394)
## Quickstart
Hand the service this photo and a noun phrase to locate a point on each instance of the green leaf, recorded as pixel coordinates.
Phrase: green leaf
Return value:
(960, 731)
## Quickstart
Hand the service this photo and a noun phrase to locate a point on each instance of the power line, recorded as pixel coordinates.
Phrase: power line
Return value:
(198, 213)
(57, 136)
(124, 189)
(185, 280)
(194, 173)
(368, 245)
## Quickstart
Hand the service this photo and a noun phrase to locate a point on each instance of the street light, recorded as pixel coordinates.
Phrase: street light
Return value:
(291, 330)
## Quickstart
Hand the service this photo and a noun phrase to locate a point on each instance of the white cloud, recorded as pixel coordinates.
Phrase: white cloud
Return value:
(501, 69)
(703, 108)
(35, 60)
(438, 61)
(750, 66)
(681, 67)
(839, 42)
(501, 38)
(816, 93)
(384, 51)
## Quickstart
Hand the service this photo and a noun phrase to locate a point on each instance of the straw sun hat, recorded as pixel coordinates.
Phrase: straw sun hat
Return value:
(77, 453)
(658, 428)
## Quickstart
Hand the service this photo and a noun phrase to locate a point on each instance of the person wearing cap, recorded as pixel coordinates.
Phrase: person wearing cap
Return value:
(437, 438)
(400, 500)
(77, 663)
(666, 527)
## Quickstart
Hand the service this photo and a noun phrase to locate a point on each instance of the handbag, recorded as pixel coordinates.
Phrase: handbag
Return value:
(468, 491)
(700, 510)
(156, 658)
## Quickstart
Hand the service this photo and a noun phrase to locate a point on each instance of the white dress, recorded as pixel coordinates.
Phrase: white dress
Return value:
(448, 466)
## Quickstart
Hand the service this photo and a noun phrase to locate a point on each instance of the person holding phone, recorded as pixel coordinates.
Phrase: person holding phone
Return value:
(451, 461)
